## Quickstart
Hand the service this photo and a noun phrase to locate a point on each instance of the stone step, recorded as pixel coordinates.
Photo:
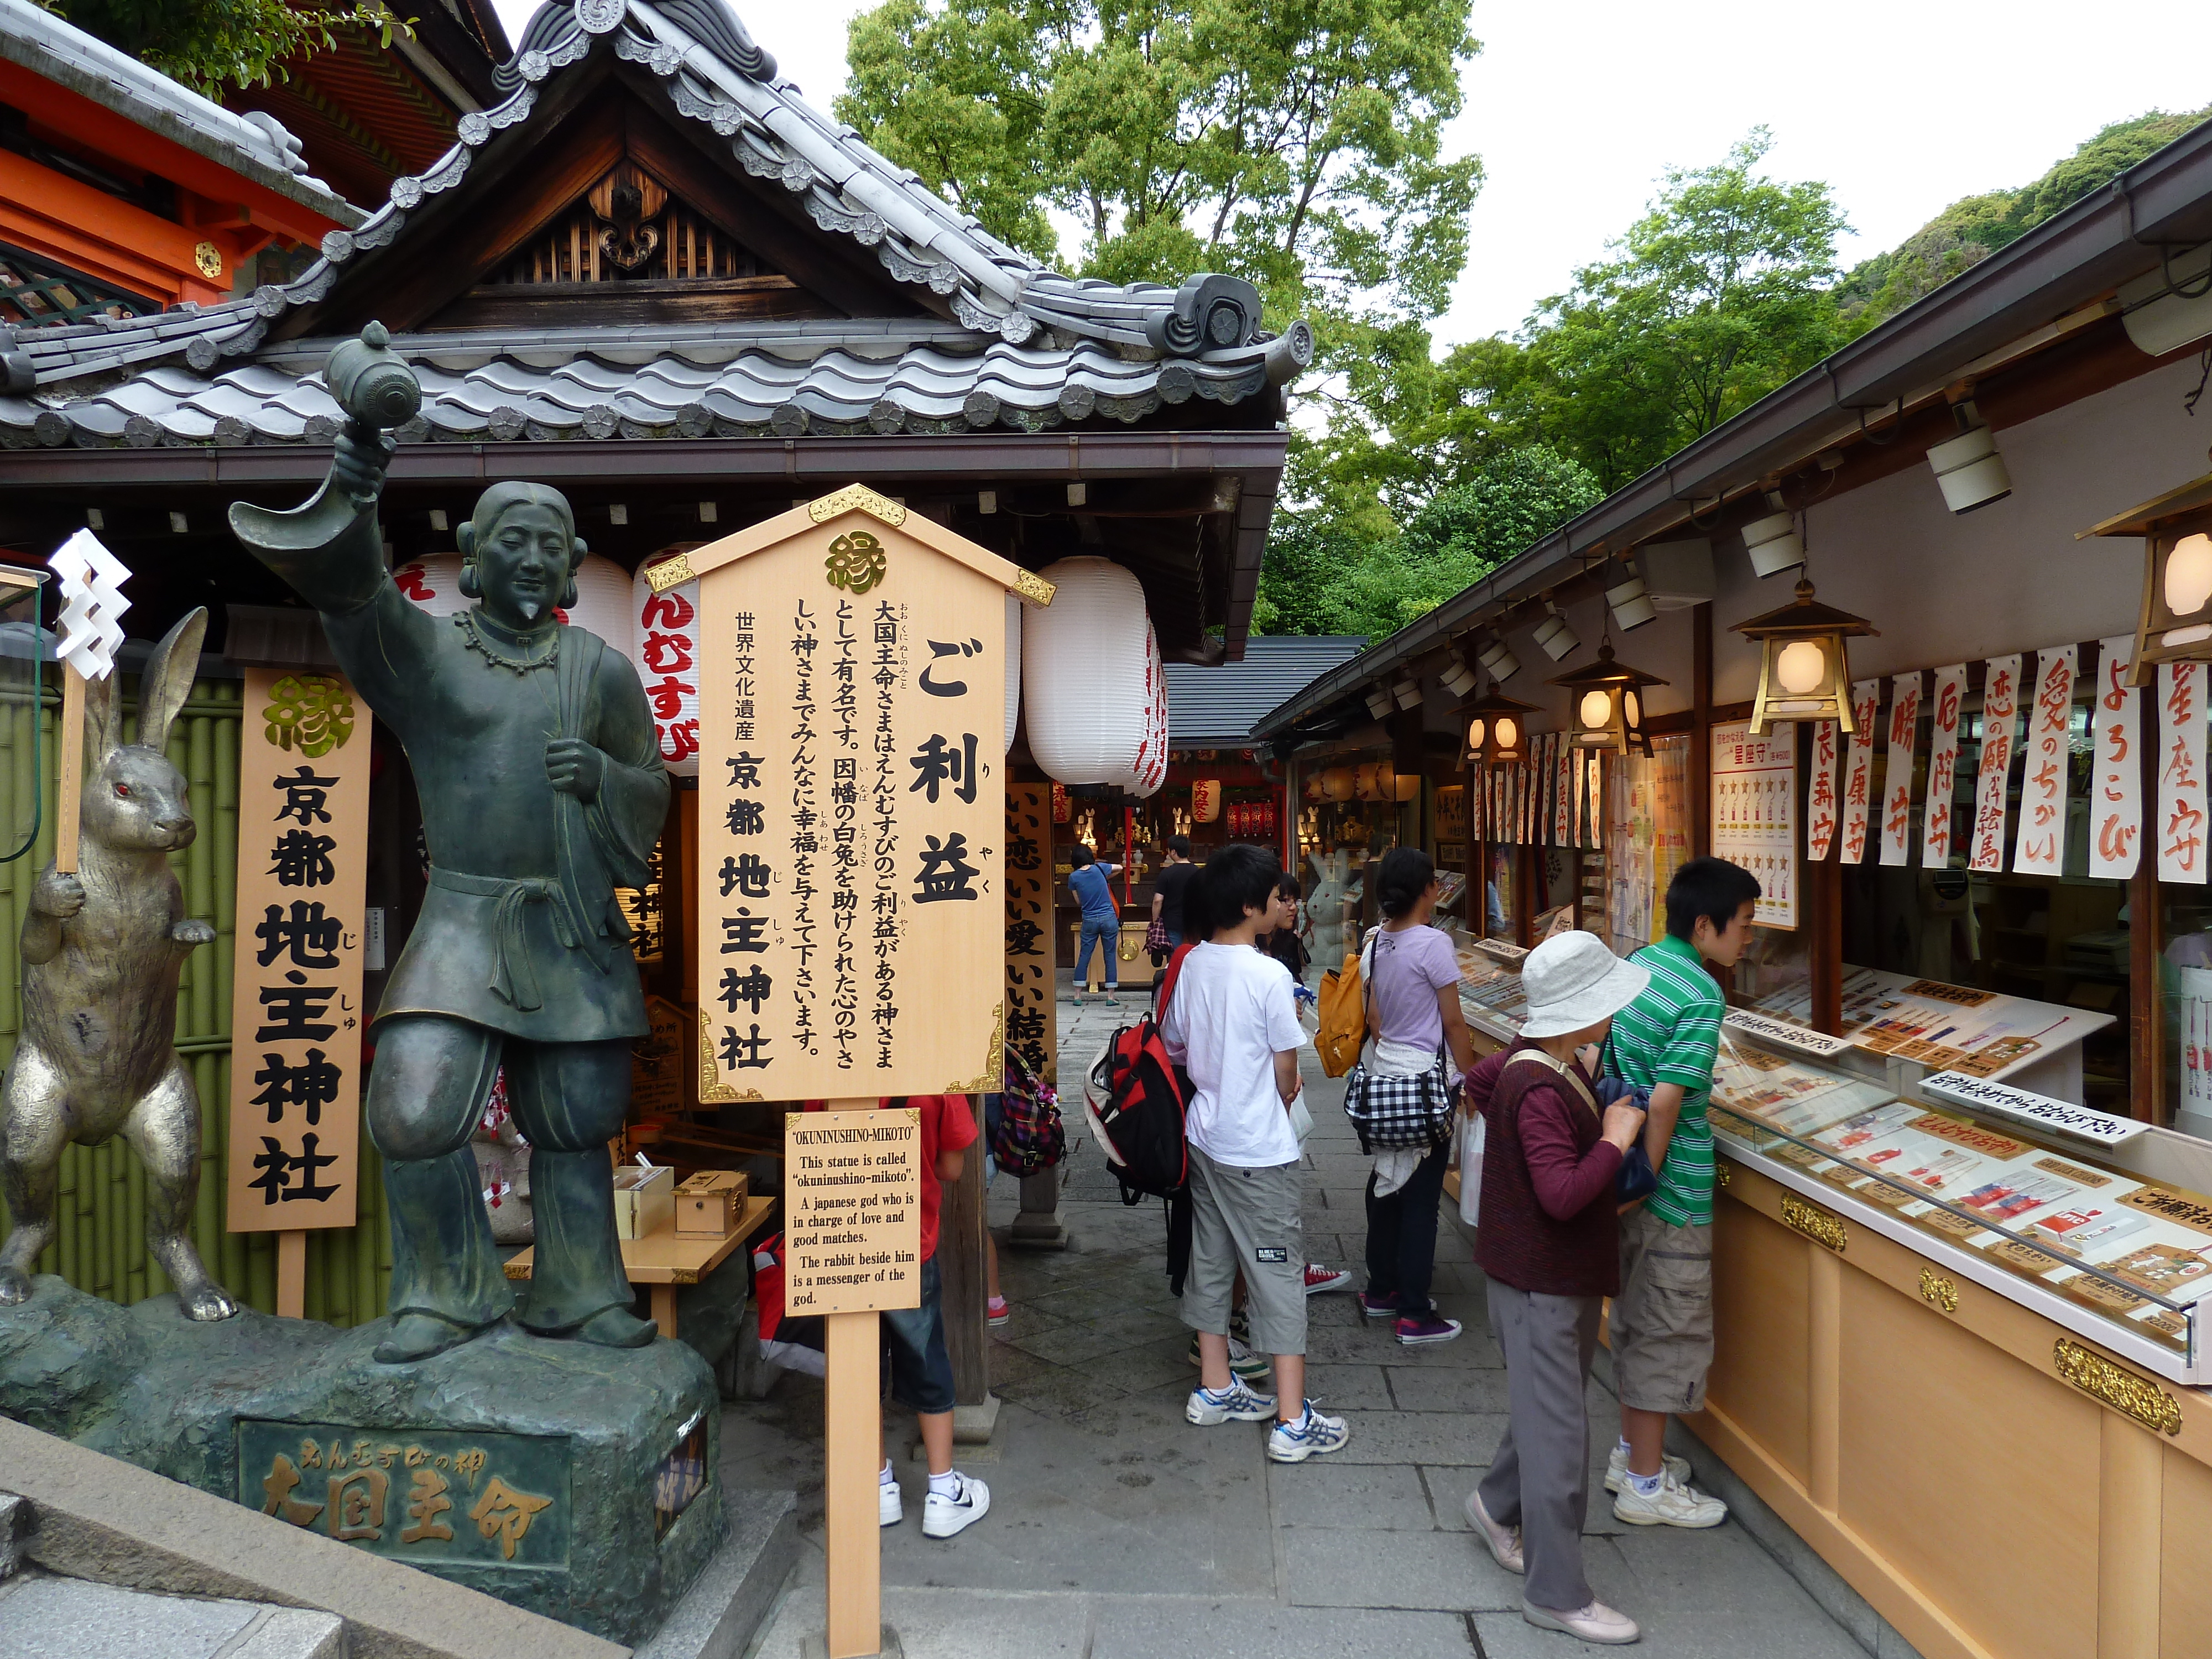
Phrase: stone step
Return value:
(43, 1616)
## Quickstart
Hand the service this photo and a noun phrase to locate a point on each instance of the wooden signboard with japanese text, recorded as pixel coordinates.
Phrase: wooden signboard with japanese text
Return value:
(1031, 1028)
(296, 1016)
(853, 1220)
(851, 804)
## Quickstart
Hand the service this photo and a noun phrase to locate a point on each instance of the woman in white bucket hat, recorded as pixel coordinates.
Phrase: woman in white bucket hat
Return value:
(1548, 1243)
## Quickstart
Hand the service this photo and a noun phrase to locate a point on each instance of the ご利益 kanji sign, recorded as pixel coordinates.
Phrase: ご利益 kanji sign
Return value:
(852, 805)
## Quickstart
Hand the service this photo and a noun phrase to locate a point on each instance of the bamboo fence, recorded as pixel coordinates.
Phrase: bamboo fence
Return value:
(100, 1243)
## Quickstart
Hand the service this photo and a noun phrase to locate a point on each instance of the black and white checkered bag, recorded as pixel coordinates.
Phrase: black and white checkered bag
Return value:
(1388, 1111)
(1399, 1111)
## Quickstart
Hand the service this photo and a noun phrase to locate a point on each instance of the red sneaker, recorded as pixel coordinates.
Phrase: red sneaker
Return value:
(1320, 1279)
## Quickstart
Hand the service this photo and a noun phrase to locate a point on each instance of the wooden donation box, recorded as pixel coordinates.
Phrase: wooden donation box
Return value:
(851, 906)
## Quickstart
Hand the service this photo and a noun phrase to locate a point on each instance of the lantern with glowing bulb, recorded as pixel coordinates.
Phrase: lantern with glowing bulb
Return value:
(2175, 624)
(1497, 730)
(1804, 673)
(1606, 700)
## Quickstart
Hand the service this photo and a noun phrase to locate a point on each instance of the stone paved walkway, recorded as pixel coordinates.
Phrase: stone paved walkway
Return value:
(1117, 1531)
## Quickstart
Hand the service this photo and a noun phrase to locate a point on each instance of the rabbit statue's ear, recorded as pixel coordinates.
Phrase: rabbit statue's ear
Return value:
(103, 731)
(167, 679)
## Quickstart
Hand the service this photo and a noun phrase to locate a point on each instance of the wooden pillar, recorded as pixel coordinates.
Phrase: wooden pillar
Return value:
(1824, 906)
(964, 1289)
(1701, 730)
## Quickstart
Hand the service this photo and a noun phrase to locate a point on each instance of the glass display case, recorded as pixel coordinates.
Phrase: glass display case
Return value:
(2093, 1221)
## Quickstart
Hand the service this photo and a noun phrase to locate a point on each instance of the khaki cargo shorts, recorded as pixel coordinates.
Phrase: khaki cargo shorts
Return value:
(1662, 1334)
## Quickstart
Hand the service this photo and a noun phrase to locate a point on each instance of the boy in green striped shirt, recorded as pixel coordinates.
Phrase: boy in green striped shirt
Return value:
(1662, 1335)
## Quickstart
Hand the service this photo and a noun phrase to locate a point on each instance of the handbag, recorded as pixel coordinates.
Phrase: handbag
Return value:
(1392, 1112)
(1637, 1180)
(1473, 1134)
(1156, 941)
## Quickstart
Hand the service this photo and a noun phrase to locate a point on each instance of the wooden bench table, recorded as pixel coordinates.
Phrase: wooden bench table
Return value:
(668, 1259)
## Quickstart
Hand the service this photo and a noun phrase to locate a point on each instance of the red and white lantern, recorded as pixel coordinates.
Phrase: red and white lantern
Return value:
(434, 583)
(602, 605)
(663, 643)
(1095, 691)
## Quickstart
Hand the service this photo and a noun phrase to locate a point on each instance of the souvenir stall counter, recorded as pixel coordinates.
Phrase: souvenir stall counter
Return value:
(1917, 1286)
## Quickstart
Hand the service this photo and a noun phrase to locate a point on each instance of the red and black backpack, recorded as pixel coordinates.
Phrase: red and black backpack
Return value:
(1135, 1102)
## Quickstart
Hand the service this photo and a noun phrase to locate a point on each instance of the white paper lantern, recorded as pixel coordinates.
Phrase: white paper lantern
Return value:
(1013, 666)
(663, 643)
(1088, 702)
(1149, 770)
(602, 606)
(433, 582)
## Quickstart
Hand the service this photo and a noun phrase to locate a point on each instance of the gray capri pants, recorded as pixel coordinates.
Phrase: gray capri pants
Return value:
(1247, 1218)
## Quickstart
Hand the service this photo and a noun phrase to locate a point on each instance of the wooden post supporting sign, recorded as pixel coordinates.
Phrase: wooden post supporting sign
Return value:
(851, 918)
(853, 1237)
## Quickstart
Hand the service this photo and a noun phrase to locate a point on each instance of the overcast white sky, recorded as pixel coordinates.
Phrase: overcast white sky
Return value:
(1575, 110)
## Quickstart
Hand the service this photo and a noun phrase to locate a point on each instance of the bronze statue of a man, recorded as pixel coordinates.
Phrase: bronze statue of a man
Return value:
(542, 792)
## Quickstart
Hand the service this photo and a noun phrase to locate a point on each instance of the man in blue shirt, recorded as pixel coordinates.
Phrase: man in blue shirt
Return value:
(1091, 883)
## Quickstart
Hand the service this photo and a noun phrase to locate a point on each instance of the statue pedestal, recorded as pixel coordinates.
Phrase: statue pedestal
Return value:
(577, 1481)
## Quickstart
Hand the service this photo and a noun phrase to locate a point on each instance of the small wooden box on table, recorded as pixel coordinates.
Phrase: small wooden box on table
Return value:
(666, 1259)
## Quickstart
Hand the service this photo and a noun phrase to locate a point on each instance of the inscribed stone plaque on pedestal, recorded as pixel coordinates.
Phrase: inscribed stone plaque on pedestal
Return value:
(853, 1203)
(423, 1496)
(851, 804)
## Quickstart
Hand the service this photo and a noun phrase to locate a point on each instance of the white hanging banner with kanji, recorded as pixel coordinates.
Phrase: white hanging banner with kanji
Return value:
(2181, 772)
(1858, 770)
(1943, 766)
(1820, 790)
(1563, 795)
(1897, 775)
(2040, 840)
(2116, 786)
(2000, 701)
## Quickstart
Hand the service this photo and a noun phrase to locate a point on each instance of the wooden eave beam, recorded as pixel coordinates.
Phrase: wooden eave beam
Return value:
(105, 237)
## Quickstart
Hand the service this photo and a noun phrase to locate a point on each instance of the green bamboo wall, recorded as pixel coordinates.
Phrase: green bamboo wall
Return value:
(100, 1245)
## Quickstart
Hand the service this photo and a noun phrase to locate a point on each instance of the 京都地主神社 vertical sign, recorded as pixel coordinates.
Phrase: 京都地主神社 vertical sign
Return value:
(851, 804)
(295, 1001)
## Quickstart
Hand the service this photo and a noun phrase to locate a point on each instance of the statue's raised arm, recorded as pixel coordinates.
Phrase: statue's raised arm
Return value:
(330, 550)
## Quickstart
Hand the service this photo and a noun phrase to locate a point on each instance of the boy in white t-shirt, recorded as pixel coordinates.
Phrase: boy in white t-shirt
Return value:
(1231, 1022)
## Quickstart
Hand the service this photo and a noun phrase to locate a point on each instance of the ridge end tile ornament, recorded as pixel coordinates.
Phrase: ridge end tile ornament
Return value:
(521, 956)
(851, 808)
(103, 942)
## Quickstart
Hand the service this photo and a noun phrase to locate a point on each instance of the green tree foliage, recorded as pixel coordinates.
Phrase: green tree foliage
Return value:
(1298, 143)
(1716, 296)
(210, 44)
(1971, 229)
(1321, 577)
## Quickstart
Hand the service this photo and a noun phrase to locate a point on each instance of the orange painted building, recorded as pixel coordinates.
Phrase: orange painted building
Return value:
(124, 193)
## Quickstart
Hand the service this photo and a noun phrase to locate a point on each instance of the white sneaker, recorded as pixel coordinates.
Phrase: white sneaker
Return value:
(1236, 1402)
(891, 1506)
(942, 1517)
(1594, 1623)
(1616, 1469)
(1505, 1541)
(1673, 1505)
(1294, 1443)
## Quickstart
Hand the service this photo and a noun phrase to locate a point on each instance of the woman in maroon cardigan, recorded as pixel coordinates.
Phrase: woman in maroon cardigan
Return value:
(1548, 1242)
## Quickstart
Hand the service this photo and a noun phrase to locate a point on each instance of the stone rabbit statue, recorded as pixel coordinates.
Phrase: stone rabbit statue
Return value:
(101, 952)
